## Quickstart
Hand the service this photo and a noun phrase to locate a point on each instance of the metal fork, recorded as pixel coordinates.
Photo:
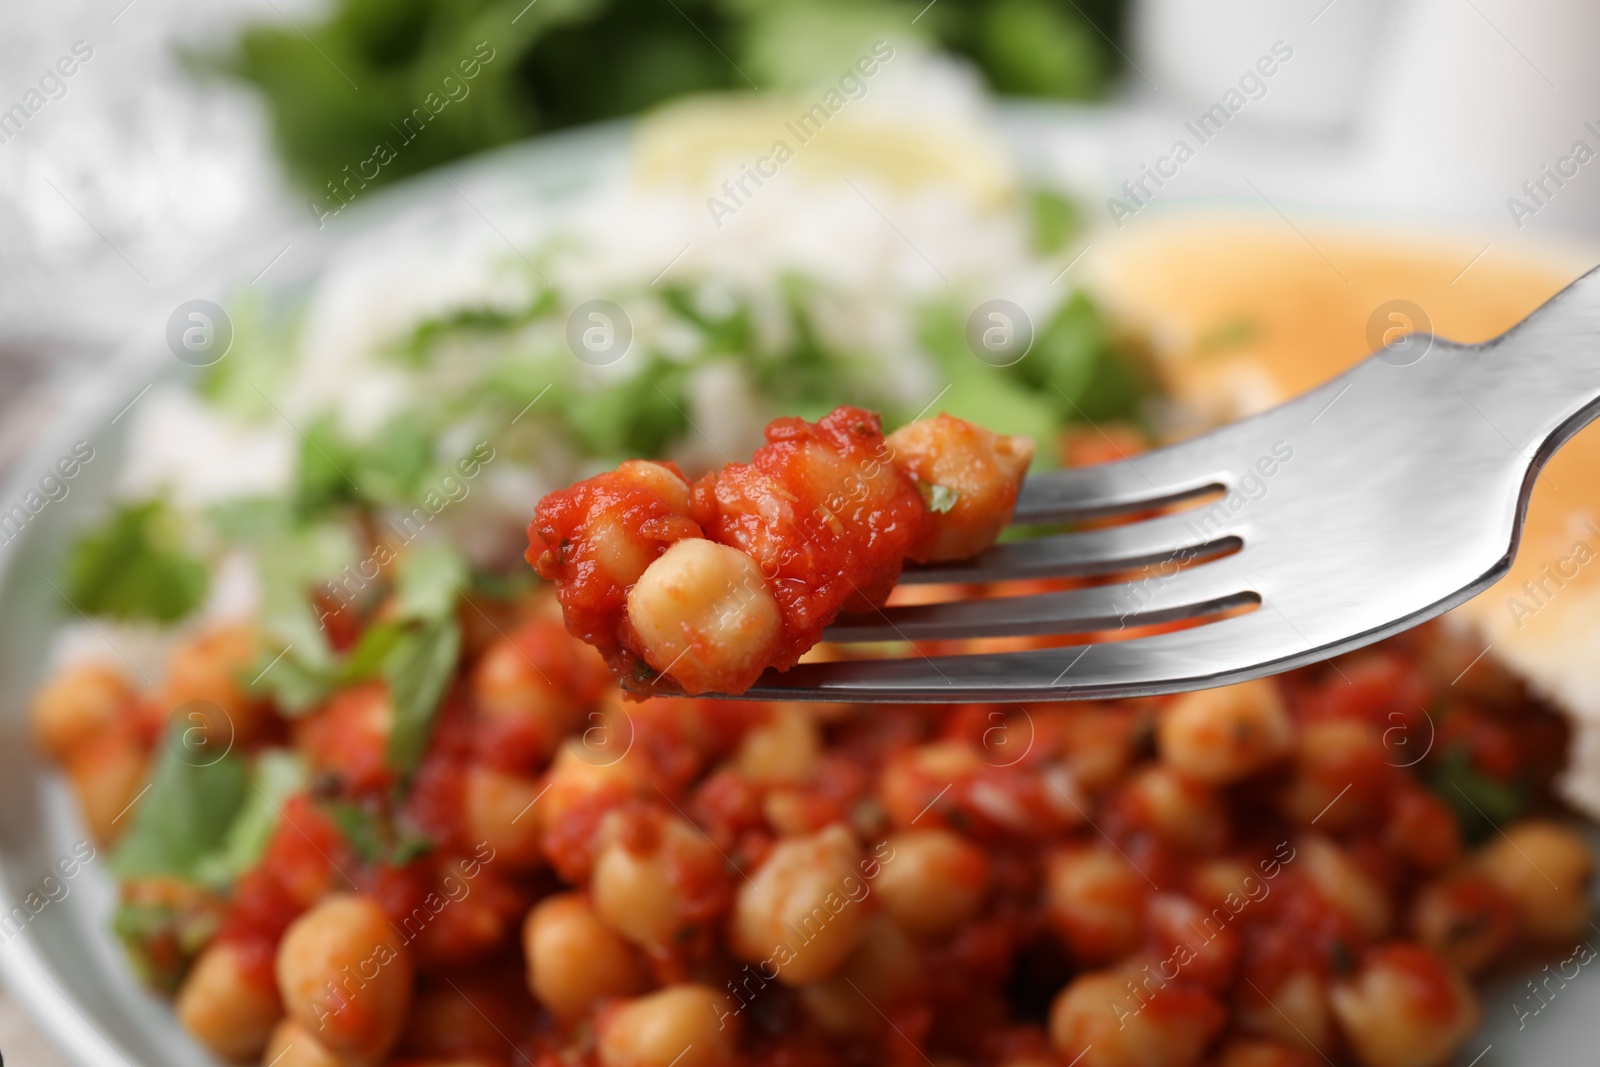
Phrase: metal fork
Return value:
(1370, 504)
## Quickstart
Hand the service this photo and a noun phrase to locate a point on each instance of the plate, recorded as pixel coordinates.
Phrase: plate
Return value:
(56, 953)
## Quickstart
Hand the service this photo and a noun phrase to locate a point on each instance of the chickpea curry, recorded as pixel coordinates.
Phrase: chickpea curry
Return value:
(458, 846)
(710, 584)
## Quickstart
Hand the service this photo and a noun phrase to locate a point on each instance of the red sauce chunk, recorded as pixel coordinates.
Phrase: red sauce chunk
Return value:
(712, 584)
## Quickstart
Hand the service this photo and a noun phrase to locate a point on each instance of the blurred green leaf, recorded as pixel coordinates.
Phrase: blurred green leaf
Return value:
(429, 580)
(636, 416)
(184, 815)
(1055, 220)
(987, 395)
(133, 566)
(1040, 48)
(276, 775)
(419, 670)
(373, 835)
(1481, 802)
(1077, 367)
(360, 97)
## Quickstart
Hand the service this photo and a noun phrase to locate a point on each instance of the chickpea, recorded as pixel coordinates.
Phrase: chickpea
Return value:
(537, 677)
(703, 614)
(107, 773)
(686, 1026)
(660, 480)
(225, 1007)
(292, 1045)
(912, 781)
(1345, 885)
(639, 891)
(1546, 869)
(1467, 919)
(1214, 880)
(804, 907)
(1095, 901)
(937, 881)
(1103, 1023)
(882, 973)
(574, 960)
(980, 468)
(501, 809)
(1405, 1008)
(1203, 943)
(214, 668)
(1295, 1011)
(1099, 743)
(78, 704)
(621, 553)
(1341, 776)
(348, 737)
(782, 750)
(1256, 1052)
(578, 778)
(345, 977)
(1183, 811)
(1223, 735)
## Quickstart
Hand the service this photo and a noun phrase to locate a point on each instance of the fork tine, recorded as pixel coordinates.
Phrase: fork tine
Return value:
(1165, 476)
(1116, 548)
(1200, 590)
(1218, 653)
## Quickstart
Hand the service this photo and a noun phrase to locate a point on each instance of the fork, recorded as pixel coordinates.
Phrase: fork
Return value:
(1364, 507)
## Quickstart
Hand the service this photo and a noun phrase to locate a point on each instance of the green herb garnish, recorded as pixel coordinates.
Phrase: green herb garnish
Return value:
(938, 498)
(133, 566)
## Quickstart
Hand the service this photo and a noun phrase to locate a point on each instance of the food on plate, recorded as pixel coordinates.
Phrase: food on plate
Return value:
(711, 583)
(368, 803)
(1315, 865)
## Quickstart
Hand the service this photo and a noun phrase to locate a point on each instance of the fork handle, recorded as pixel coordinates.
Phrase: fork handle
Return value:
(1538, 383)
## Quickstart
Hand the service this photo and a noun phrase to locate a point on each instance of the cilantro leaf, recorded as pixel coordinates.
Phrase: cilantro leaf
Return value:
(133, 566)
(429, 580)
(1480, 802)
(277, 774)
(299, 666)
(162, 937)
(251, 520)
(185, 815)
(938, 498)
(1055, 221)
(373, 835)
(1078, 367)
(419, 670)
